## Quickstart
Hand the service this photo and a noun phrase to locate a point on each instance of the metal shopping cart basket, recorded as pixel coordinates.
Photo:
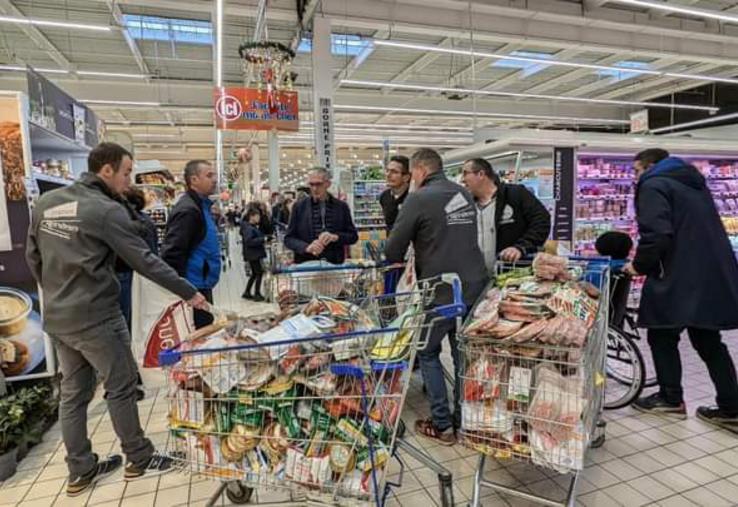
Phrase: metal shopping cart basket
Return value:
(533, 359)
(310, 408)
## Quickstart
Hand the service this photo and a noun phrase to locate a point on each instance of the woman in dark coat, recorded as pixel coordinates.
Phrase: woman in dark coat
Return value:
(692, 283)
(253, 252)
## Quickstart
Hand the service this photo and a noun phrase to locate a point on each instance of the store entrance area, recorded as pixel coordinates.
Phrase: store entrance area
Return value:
(645, 459)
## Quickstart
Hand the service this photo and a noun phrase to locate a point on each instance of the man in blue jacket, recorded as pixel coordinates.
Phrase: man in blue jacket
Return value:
(691, 284)
(191, 243)
(320, 226)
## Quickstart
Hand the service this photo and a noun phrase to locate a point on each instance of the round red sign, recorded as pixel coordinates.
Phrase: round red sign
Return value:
(228, 108)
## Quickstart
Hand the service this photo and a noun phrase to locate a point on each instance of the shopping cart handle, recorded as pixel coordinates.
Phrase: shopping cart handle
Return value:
(169, 357)
(457, 308)
(347, 370)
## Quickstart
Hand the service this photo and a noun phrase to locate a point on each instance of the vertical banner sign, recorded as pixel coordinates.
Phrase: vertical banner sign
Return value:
(563, 229)
(324, 145)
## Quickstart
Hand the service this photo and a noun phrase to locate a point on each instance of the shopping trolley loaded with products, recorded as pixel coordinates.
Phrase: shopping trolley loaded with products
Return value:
(533, 356)
(307, 402)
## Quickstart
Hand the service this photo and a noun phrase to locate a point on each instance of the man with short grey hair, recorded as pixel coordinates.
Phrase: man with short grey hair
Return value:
(320, 226)
(440, 220)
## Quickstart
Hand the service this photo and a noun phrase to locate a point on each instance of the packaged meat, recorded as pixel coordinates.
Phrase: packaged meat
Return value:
(557, 404)
(528, 332)
(482, 379)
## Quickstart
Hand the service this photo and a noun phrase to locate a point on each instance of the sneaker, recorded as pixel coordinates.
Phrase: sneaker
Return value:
(78, 485)
(246, 296)
(158, 464)
(425, 428)
(258, 298)
(719, 418)
(656, 404)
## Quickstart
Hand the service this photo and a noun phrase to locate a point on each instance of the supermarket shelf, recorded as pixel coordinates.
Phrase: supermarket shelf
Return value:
(604, 178)
(611, 196)
(50, 141)
(606, 220)
(51, 179)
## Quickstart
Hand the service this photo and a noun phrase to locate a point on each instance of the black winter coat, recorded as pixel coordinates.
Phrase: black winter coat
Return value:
(521, 220)
(692, 273)
(300, 232)
(185, 231)
(253, 242)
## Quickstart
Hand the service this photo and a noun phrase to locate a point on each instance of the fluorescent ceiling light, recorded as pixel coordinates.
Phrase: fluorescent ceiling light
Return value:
(55, 24)
(23, 69)
(382, 84)
(122, 103)
(111, 74)
(680, 9)
(479, 54)
(513, 116)
(695, 123)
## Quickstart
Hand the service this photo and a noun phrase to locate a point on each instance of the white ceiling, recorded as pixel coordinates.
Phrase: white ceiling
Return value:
(180, 75)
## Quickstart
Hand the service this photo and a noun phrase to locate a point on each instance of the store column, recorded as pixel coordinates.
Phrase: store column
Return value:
(323, 95)
(273, 140)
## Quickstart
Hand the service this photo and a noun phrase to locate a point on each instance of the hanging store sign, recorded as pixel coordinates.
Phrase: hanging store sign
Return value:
(254, 109)
(324, 143)
(639, 122)
(563, 190)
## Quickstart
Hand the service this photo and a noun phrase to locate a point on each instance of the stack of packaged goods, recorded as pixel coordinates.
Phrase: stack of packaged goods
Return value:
(252, 402)
(526, 384)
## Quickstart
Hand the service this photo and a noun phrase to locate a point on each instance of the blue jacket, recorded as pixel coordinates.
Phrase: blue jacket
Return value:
(191, 245)
(300, 231)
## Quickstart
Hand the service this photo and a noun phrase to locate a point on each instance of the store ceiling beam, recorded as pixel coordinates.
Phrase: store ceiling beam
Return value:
(614, 31)
(420, 63)
(466, 75)
(660, 91)
(570, 77)
(135, 51)
(354, 63)
(9, 9)
(642, 87)
(589, 89)
(303, 22)
(516, 76)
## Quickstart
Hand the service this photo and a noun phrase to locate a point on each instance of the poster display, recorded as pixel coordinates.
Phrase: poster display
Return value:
(255, 109)
(563, 190)
(24, 347)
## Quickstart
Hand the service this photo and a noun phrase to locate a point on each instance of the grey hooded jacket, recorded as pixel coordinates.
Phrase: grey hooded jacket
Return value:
(75, 235)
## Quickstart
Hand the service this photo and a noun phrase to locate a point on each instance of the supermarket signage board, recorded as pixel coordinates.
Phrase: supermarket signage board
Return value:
(324, 143)
(55, 110)
(249, 109)
(563, 227)
(639, 122)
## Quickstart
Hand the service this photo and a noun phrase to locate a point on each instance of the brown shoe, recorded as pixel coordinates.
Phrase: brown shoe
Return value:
(425, 428)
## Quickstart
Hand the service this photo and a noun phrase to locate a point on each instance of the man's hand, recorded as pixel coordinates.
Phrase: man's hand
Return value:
(326, 238)
(511, 254)
(628, 269)
(315, 248)
(198, 301)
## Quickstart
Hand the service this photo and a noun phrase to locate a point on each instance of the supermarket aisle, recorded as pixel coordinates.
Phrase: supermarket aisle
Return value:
(646, 460)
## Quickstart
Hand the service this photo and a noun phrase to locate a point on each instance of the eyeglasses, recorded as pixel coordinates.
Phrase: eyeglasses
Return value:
(316, 184)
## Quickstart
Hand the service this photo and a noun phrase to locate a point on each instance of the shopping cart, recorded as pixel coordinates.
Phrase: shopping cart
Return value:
(537, 399)
(312, 414)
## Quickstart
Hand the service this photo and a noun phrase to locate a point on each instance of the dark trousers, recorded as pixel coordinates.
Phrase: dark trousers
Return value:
(125, 301)
(665, 349)
(257, 273)
(105, 348)
(200, 317)
(433, 377)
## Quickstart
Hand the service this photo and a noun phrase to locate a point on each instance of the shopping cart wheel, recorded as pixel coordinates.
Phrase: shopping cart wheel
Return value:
(238, 493)
(599, 438)
(401, 429)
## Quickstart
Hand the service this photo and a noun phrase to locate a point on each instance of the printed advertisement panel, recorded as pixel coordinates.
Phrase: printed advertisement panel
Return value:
(254, 109)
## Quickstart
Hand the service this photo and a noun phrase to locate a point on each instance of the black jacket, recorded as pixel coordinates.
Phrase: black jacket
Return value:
(300, 231)
(692, 273)
(440, 220)
(391, 206)
(145, 228)
(520, 219)
(185, 230)
(253, 242)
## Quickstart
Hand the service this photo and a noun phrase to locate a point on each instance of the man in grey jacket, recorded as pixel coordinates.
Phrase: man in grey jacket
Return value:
(75, 236)
(440, 220)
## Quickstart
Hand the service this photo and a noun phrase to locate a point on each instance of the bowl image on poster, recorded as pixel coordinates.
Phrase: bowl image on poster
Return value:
(21, 336)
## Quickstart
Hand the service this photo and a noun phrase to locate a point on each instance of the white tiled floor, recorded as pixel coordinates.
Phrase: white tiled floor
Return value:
(646, 460)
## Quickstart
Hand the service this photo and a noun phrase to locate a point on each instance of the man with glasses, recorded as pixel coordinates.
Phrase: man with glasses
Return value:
(511, 222)
(320, 226)
(397, 175)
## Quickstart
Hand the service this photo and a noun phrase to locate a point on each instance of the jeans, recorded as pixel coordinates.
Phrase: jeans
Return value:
(200, 317)
(104, 348)
(665, 349)
(435, 382)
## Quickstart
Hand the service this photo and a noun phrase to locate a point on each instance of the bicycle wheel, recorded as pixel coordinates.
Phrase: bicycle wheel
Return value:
(624, 370)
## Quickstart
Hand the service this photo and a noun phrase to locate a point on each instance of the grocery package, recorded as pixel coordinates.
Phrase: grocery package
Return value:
(525, 382)
(289, 397)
